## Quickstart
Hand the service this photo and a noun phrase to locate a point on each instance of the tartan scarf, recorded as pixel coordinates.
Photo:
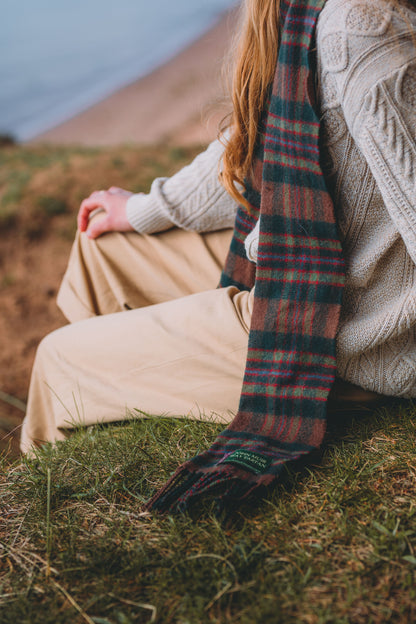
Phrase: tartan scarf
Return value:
(298, 285)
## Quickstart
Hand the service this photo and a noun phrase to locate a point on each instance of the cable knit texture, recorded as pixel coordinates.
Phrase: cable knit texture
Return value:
(367, 87)
(192, 199)
(368, 97)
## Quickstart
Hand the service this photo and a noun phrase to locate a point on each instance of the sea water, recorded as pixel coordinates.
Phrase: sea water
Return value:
(58, 57)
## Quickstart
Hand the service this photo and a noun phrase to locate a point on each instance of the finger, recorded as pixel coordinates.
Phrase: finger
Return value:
(86, 208)
(116, 189)
(98, 194)
(98, 227)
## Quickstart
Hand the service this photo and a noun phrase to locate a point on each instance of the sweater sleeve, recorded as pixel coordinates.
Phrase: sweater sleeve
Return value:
(192, 199)
(368, 65)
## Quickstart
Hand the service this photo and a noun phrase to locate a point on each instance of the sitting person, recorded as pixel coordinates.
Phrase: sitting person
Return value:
(303, 169)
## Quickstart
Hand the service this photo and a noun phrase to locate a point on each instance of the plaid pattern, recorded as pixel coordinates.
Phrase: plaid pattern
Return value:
(297, 298)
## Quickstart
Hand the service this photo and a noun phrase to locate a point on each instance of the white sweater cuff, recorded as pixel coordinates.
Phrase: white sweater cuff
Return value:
(144, 212)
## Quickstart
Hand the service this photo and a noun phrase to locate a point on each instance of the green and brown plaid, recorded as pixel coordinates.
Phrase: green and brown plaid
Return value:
(298, 284)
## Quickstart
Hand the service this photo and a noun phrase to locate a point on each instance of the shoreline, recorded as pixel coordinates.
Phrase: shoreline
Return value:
(180, 102)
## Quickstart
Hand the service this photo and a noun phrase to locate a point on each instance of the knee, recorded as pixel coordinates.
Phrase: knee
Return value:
(44, 355)
(84, 248)
(50, 349)
(75, 297)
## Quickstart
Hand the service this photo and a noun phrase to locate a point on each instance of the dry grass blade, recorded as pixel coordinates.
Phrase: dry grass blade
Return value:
(213, 556)
(73, 603)
(13, 401)
(140, 605)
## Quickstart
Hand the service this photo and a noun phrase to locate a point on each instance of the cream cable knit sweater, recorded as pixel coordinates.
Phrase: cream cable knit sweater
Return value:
(367, 87)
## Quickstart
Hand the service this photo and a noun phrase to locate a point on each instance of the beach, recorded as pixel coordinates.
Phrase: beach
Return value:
(181, 102)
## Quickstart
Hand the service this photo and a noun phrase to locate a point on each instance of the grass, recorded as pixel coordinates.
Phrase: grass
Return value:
(333, 543)
(40, 183)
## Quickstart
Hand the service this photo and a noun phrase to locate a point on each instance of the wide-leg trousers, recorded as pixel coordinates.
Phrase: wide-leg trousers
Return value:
(149, 333)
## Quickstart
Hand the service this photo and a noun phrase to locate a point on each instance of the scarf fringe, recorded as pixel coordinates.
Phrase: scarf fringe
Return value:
(187, 486)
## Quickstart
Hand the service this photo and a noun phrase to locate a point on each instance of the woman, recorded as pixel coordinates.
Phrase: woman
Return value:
(283, 278)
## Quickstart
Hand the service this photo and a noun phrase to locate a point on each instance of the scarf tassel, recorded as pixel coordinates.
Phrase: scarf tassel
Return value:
(188, 485)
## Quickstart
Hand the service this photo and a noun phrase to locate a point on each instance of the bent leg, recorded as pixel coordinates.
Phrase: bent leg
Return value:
(118, 272)
(180, 358)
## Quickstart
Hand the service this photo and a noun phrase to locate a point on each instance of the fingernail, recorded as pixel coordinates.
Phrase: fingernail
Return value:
(89, 233)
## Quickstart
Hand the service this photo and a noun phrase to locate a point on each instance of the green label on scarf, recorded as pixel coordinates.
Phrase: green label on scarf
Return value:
(248, 459)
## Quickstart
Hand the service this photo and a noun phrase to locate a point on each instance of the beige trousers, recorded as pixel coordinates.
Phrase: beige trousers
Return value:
(149, 332)
(150, 335)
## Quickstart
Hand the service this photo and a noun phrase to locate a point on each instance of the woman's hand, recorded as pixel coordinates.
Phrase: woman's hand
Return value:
(113, 203)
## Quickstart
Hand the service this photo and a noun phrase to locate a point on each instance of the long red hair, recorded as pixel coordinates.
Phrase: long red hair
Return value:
(255, 53)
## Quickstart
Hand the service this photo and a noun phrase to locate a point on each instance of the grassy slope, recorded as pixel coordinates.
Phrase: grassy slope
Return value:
(336, 543)
(39, 183)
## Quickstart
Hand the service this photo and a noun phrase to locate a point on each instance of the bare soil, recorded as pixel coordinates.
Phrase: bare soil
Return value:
(31, 272)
